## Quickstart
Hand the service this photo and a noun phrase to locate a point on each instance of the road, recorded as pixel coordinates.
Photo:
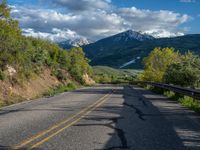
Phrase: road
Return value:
(104, 117)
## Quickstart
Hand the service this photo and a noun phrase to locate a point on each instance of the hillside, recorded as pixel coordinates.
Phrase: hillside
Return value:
(117, 50)
(30, 67)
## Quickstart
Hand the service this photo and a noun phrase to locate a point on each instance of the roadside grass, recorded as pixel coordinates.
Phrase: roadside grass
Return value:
(60, 89)
(13, 99)
(186, 101)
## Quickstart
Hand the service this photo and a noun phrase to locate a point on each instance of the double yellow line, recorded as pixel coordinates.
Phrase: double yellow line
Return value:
(60, 126)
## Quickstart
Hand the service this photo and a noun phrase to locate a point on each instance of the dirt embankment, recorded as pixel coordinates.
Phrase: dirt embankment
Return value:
(12, 92)
(88, 80)
(33, 88)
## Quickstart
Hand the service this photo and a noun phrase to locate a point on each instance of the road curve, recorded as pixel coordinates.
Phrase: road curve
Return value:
(104, 117)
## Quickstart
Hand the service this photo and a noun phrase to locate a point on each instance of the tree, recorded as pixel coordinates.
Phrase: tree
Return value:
(185, 73)
(78, 64)
(4, 10)
(157, 62)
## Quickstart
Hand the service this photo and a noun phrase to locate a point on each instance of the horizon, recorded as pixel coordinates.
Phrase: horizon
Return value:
(60, 20)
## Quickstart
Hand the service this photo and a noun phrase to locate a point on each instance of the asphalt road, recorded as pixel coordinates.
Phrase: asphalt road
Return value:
(105, 117)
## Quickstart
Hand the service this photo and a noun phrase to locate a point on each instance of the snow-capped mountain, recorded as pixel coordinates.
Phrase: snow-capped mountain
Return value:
(78, 42)
(127, 49)
(130, 35)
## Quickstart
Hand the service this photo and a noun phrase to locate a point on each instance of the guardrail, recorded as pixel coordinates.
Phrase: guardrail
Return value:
(184, 91)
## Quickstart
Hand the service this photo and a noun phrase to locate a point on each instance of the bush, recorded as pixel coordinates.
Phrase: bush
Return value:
(78, 64)
(156, 64)
(185, 73)
(2, 75)
(60, 74)
(190, 103)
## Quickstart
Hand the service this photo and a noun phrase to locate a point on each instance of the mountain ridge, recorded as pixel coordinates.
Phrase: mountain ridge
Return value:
(115, 53)
(78, 42)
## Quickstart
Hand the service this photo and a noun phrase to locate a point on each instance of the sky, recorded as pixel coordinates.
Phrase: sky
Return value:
(60, 20)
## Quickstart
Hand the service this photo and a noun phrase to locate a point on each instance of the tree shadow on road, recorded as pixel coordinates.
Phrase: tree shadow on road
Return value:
(139, 125)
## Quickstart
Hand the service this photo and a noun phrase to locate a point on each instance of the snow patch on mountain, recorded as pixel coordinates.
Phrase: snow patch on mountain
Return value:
(129, 35)
(78, 42)
(129, 63)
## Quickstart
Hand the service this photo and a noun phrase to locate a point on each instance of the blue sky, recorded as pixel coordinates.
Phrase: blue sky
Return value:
(191, 8)
(96, 19)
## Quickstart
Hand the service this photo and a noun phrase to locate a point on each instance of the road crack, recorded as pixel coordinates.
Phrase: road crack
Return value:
(137, 111)
(120, 132)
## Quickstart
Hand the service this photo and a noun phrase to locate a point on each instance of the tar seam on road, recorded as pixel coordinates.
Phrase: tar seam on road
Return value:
(83, 112)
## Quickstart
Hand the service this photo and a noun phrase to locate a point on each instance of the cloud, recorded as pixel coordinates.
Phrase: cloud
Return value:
(82, 5)
(93, 25)
(188, 1)
(56, 35)
(163, 33)
(96, 23)
(147, 20)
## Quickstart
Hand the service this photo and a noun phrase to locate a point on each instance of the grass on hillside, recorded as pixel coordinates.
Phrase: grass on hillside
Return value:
(104, 74)
(60, 89)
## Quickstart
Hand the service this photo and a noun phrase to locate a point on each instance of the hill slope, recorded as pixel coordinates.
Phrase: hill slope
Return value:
(123, 50)
(29, 66)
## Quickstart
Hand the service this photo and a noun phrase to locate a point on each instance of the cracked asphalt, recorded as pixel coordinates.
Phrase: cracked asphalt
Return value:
(104, 117)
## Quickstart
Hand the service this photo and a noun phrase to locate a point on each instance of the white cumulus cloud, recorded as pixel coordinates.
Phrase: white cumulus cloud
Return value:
(95, 19)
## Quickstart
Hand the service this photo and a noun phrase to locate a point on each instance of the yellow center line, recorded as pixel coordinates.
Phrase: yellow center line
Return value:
(67, 126)
(29, 140)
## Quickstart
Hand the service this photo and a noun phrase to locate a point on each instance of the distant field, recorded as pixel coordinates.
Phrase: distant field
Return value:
(108, 74)
(112, 71)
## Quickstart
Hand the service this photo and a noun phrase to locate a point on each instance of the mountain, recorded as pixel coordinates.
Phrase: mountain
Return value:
(78, 42)
(130, 35)
(127, 49)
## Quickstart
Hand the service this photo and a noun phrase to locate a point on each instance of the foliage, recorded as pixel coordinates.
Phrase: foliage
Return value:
(157, 63)
(190, 103)
(184, 100)
(30, 55)
(185, 73)
(78, 64)
(110, 52)
(103, 74)
(2, 75)
(4, 10)
(167, 66)
(61, 89)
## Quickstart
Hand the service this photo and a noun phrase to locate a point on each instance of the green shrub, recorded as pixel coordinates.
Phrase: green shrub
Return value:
(157, 63)
(185, 73)
(60, 75)
(2, 75)
(190, 103)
